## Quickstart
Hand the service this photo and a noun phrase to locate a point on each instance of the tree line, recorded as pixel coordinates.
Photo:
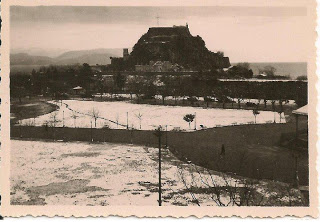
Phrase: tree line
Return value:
(56, 80)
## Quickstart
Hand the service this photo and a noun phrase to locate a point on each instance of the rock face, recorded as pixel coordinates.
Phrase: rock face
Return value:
(176, 45)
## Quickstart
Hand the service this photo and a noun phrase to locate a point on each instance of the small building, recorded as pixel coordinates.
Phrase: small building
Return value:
(78, 90)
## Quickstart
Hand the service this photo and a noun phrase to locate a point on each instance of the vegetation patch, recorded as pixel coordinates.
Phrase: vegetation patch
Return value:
(30, 109)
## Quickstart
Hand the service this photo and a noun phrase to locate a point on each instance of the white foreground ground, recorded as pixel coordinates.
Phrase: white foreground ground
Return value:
(60, 173)
(76, 113)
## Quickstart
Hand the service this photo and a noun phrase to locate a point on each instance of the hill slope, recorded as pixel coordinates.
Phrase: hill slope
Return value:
(26, 59)
(95, 56)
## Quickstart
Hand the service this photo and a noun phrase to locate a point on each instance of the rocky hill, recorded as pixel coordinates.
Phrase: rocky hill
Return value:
(177, 45)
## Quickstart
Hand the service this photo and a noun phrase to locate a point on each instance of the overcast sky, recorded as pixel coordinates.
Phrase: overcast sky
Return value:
(253, 34)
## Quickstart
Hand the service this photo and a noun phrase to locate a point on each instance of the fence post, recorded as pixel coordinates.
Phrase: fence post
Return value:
(91, 130)
(127, 120)
(20, 129)
(166, 136)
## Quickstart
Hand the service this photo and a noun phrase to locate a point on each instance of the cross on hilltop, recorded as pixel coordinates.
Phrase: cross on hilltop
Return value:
(157, 19)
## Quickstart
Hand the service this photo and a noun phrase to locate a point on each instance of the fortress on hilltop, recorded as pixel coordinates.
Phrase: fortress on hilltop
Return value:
(174, 47)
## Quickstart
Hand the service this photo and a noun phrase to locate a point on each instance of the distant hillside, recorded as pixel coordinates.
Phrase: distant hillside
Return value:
(91, 59)
(94, 56)
(35, 51)
(89, 54)
(26, 59)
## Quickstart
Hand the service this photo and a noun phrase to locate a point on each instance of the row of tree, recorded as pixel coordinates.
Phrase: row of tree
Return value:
(206, 86)
(57, 80)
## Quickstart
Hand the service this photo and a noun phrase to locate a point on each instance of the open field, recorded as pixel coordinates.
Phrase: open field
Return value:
(74, 173)
(76, 113)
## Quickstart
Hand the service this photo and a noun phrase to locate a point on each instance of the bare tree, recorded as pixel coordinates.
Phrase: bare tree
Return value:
(74, 116)
(54, 120)
(117, 120)
(280, 112)
(95, 115)
(139, 116)
(221, 189)
(189, 189)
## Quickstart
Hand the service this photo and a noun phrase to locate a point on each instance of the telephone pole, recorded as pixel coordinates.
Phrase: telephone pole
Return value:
(160, 170)
(158, 133)
(157, 20)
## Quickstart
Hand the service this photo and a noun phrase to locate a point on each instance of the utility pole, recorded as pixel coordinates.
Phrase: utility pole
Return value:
(195, 121)
(158, 133)
(157, 20)
(63, 118)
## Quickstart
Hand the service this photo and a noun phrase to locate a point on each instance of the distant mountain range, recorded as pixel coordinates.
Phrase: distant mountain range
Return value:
(92, 57)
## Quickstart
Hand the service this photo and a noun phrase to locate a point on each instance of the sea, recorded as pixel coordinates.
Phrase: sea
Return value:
(292, 69)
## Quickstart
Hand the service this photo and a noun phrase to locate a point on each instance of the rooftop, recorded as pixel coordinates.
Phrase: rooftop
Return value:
(303, 111)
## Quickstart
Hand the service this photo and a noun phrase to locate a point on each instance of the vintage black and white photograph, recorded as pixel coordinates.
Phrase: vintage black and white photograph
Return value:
(202, 106)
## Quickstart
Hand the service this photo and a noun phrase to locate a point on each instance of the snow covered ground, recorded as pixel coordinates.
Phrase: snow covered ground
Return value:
(76, 113)
(78, 173)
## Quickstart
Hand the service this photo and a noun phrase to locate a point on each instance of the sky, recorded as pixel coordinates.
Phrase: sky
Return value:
(243, 33)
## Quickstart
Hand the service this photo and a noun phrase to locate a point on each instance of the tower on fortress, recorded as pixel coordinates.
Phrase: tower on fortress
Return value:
(125, 54)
